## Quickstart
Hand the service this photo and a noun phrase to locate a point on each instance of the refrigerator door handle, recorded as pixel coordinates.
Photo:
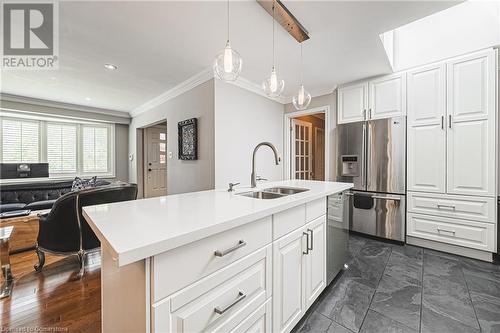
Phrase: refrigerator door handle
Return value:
(386, 198)
(363, 154)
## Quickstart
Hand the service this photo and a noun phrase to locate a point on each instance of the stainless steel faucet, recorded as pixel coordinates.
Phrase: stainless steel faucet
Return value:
(276, 158)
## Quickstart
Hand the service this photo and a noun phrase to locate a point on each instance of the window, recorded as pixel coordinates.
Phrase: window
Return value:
(61, 148)
(70, 148)
(20, 141)
(95, 149)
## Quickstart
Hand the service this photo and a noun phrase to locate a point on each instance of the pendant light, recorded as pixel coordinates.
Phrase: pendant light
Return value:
(273, 86)
(302, 99)
(228, 62)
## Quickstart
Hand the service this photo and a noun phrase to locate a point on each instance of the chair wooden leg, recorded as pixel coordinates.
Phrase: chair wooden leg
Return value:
(81, 259)
(41, 259)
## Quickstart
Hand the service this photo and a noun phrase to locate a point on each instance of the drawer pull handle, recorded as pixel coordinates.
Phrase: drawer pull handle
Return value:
(241, 296)
(444, 230)
(312, 240)
(240, 244)
(446, 206)
(307, 243)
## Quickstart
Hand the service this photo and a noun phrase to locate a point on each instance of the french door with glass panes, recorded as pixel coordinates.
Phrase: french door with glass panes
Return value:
(301, 150)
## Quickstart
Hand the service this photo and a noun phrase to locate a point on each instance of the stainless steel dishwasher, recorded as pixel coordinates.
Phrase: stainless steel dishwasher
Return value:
(337, 234)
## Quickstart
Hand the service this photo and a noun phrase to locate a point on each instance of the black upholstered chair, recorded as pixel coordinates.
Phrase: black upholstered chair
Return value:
(64, 231)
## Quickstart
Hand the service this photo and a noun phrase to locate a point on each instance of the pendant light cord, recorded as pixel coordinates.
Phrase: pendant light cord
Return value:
(228, 21)
(273, 35)
(301, 66)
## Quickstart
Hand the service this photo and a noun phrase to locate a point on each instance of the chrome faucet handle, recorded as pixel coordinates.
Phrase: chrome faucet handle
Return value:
(231, 185)
(260, 178)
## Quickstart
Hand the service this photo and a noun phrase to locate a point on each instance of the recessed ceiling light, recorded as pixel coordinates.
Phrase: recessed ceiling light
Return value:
(111, 67)
(88, 98)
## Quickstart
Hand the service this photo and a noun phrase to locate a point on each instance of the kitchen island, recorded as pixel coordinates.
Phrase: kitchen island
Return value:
(213, 260)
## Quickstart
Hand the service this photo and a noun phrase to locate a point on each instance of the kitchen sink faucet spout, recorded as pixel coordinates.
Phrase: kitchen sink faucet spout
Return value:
(276, 158)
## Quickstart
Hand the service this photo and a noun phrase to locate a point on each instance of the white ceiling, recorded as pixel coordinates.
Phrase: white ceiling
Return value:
(157, 45)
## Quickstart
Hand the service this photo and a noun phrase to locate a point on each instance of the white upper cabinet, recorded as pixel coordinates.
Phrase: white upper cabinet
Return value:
(387, 96)
(352, 103)
(379, 98)
(426, 93)
(471, 124)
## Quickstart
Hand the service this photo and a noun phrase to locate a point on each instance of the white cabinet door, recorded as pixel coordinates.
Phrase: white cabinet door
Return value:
(471, 124)
(426, 153)
(352, 103)
(387, 97)
(288, 277)
(315, 269)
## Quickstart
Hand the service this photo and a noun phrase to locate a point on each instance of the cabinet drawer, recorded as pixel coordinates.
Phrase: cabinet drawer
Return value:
(175, 269)
(288, 220)
(476, 235)
(220, 301)
(315, 209)
(469, 208)
(258, 321)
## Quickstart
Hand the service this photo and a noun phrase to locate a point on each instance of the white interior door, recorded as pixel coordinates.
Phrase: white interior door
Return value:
(155, 169)
(301, 149)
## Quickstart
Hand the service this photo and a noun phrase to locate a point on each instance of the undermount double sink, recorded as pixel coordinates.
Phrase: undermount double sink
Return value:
(273, 192)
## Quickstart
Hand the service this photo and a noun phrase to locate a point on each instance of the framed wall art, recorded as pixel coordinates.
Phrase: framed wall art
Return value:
(188, 139)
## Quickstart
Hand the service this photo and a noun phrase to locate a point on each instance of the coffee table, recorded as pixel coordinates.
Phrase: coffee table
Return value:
(25, 230)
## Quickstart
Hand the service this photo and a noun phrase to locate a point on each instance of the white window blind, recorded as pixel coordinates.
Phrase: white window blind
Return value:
(95, 149)
(20, 141)
(62, 148)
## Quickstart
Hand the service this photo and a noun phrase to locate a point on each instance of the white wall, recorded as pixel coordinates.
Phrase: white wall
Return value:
(331, 101)
(467, 27)
(242, 120)
(182, 176)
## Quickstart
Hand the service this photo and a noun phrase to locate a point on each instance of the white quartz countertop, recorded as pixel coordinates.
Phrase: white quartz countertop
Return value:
(135, 230)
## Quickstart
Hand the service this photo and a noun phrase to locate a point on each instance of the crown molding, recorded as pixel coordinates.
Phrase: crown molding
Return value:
(257, 89)
(179, 89)
(62, 105)
(196, 80)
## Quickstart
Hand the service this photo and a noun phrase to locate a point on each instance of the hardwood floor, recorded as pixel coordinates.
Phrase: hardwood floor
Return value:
(53, 300)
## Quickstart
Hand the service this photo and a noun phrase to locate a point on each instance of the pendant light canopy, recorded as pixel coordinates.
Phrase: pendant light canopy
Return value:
(228, 62)
(302, 98)
(273, 86)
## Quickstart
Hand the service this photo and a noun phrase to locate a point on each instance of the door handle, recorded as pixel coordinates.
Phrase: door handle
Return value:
(442, 122)
(307, 242)
(312, 239)
(386, 198)
(449, 121)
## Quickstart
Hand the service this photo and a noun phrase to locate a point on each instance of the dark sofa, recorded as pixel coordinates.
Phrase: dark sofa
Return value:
(36, 195)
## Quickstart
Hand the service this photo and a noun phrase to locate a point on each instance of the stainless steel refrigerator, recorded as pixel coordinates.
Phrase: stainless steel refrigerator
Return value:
(372, 155)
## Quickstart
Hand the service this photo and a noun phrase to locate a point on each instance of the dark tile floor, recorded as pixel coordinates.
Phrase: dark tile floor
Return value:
(392, 288)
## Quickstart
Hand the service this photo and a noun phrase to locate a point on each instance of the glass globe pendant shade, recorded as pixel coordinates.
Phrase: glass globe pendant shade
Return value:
(227, 64)
(273, 86)
(302, 99)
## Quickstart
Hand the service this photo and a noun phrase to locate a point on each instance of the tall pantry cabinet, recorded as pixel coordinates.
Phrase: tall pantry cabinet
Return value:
(451, 152)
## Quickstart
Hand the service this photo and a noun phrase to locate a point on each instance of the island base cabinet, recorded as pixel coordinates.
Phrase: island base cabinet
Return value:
(299, 273)
(221, 301)
(315, 271)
